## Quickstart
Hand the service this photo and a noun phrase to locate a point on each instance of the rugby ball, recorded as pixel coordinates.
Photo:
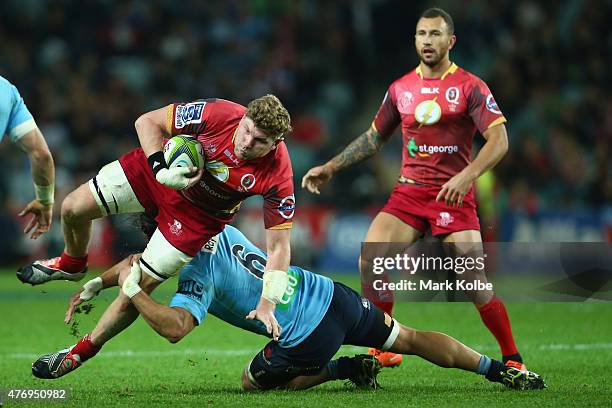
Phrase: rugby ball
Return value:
(184, 151)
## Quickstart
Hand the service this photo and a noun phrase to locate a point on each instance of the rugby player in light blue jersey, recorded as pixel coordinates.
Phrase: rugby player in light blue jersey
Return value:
(18, 124)
(317, 316)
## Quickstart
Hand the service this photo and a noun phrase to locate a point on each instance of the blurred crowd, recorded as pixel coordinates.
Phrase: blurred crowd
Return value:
(87, 69)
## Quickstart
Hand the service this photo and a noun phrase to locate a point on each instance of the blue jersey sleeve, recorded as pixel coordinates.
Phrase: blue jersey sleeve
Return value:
(15, 118)
(195, 293)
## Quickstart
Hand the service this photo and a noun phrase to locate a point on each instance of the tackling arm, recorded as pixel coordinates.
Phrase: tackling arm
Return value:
(172, 323)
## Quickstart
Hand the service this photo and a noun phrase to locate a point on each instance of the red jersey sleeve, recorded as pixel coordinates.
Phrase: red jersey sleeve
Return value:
(387, 118)
(279, 199)
(482, 107)
(194, 117)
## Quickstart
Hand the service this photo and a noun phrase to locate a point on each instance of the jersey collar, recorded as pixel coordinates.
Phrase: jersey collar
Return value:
(451, 70)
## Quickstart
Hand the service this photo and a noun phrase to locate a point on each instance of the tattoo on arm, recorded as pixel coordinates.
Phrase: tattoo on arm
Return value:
(365, 146)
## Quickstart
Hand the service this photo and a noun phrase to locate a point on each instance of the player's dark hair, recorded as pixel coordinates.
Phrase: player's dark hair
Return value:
(438, 12)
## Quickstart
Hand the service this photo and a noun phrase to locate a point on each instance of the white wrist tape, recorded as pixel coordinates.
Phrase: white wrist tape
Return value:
(131, 289)
(130, 286)
(44, 194)
(91, 289)
(274, 285)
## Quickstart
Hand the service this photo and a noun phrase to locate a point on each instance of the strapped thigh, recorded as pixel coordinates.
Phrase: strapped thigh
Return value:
(112, 191)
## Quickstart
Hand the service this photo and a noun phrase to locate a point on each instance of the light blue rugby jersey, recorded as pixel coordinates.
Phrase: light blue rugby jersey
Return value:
(225, 279)
(15, 119)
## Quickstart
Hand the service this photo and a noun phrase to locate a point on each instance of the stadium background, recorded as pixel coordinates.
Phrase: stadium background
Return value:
(87, 69)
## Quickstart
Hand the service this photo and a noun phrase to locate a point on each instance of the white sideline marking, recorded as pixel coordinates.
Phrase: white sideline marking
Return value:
(251, 352)
(152, 353)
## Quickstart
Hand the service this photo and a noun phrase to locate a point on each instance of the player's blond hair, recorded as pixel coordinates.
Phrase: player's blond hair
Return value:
(270, 116)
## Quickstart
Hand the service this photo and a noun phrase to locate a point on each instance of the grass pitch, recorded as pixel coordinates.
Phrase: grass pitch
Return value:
(569, 344)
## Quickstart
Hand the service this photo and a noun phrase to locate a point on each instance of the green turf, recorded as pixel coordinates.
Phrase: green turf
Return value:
(569, 344)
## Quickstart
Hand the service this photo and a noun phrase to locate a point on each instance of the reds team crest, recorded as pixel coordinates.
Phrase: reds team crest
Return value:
(404, 101)
(247, 181)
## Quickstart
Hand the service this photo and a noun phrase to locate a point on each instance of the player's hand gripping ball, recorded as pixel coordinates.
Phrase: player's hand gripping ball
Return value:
(184, 151)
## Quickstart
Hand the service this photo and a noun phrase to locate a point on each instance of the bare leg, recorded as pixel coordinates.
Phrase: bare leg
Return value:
(491, 309)
(469, 242)
(438, 348)
(78, 210)
(385, 228)
(304, 382)
(388, 228)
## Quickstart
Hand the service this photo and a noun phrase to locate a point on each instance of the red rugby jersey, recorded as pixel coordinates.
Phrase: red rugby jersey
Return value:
(439, 117)
(227, 180)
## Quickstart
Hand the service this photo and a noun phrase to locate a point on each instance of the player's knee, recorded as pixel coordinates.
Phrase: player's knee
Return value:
(160, 260)
(245, 381)
(70, 210)
(405, 341)
(73, 208)
(297, 384)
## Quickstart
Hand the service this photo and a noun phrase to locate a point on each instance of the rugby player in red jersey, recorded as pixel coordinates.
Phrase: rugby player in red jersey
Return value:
(245, 156)
(439, 107)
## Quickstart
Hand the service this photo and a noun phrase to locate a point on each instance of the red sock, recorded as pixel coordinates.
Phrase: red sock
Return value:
(381, 298)
(73, 264)
(85, 348)
(495, 317)
(385, 306)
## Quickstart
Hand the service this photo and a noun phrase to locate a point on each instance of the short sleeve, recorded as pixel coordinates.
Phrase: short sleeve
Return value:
(387, 118)
(193, 295)
(21, 120)
(279, 199)
(482, 107)
(202, 116)
(187, 118)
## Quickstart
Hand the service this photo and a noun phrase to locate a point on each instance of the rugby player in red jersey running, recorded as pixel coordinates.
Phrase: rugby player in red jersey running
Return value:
(439, 107)
(245, 156)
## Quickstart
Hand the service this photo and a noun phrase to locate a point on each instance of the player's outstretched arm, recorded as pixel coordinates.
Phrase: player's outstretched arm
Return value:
(360, 149)
(169, 322)
(172, 323)
(91, 288)
(121, 313)
(43, 174)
